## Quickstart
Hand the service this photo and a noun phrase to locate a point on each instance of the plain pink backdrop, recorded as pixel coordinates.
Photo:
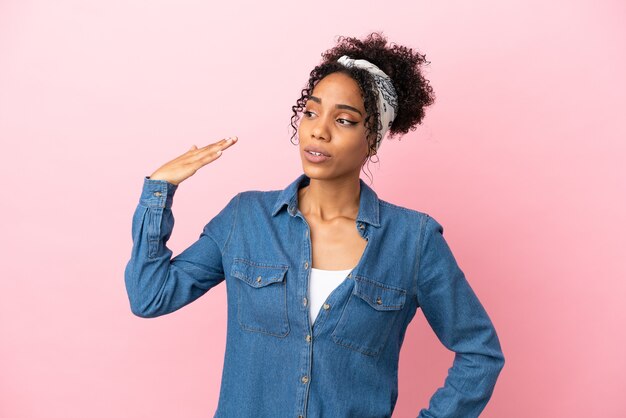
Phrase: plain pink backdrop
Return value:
(521, 159)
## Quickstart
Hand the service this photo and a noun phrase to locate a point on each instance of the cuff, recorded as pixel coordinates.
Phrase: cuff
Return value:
(157, 193)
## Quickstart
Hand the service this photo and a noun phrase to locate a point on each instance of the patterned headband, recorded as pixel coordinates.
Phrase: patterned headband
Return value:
(387, 96)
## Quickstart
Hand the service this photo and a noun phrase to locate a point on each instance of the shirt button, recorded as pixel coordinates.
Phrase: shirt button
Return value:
(308, 337)
(258, 279)
(349, 274)
(361, 226)
(326, 306)
(379, 300)
(304, 301)
(306, 265)
(157, 194)
(305, 379)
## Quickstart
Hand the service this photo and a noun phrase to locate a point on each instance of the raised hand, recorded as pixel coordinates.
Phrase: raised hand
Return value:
(186, 165)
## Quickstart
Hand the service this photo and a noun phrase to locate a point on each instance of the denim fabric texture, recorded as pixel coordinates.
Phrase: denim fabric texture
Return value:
(277, 365)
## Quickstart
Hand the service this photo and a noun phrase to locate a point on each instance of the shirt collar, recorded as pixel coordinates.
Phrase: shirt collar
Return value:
(368, 200)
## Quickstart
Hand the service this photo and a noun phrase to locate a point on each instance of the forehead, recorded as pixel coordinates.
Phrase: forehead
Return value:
(338, 88)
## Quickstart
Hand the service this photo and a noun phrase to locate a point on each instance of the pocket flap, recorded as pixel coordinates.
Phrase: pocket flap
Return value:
(257, 274)
(380, 296)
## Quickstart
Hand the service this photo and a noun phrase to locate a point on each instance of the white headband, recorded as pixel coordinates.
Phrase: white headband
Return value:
(387, 96)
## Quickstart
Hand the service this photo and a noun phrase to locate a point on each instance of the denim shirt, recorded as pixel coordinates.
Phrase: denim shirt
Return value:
(278, 365)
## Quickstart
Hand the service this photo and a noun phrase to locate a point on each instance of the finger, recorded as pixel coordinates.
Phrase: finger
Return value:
(229, 142)
(206, 158)
(218, 143)
(210, 152)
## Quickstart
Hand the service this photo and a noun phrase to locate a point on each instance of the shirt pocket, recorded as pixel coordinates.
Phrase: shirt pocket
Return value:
(261, 296)
(368, 316)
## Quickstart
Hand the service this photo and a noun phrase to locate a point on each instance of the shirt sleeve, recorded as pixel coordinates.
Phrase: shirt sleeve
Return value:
(158, 284)
(462, 325)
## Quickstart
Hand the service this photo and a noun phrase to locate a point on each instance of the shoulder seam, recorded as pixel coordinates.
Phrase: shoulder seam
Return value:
(420, 246)
(232, 227)
(392, 205)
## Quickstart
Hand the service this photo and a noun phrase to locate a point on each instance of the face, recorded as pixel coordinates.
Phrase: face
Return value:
(333, 123)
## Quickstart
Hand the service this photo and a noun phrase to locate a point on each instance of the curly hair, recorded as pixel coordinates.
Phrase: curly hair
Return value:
(400, 63)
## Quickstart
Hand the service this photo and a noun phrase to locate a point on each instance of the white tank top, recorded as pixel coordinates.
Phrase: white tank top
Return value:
(321, 284)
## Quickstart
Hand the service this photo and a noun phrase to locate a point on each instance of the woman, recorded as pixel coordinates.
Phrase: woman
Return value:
(322, 277)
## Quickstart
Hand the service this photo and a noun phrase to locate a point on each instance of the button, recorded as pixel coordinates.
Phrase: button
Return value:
(258, 279)
(306, 265)
(379, 300)
(308, 337)
(350, 275)
(305, 379)
(157, 194)
(361, 226)
(304, 301)
(326, 306)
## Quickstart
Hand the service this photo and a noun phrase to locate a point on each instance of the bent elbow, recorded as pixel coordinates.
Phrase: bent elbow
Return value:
(141, 311)
(496, 364)
(148, 309)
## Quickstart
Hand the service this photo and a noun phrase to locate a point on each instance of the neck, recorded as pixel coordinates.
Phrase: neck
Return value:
(330, 199)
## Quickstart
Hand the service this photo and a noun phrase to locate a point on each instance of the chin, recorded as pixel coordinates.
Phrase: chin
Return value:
(314, 172)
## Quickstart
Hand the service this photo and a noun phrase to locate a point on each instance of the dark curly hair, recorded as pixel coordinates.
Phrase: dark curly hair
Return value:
(400, 63)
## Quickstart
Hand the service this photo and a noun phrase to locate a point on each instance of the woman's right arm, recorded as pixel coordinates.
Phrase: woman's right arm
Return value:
(156, 283)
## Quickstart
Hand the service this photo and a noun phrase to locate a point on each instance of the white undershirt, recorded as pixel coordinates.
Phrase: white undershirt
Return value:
(321, 284)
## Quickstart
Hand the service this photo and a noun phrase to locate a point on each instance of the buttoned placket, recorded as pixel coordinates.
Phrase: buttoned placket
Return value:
(307, 353)
(302, 290)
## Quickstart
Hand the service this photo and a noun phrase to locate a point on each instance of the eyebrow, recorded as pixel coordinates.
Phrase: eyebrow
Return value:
(339, 106)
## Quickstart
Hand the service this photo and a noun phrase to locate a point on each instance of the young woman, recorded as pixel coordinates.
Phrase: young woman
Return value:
(323, 277)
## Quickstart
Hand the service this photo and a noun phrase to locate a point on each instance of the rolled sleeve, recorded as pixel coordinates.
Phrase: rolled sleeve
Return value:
(462, 324)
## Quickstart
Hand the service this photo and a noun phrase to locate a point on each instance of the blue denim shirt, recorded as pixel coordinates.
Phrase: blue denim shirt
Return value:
(276, 363)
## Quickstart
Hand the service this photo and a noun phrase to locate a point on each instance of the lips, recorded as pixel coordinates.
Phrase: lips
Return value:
(313, 148)
(312, 158)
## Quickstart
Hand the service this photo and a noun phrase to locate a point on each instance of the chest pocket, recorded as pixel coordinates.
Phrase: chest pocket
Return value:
(261, 296)
(367, 319)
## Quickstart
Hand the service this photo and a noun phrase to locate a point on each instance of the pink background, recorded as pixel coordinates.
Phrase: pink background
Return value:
(521, 159)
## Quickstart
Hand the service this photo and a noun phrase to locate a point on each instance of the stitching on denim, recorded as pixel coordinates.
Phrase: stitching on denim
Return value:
(391, 205)
(399, 293)
(262, 331)
(380, 284)
(422, 243)
(346, 343)
(259, 264)
(351, 346)
(232, 228)
(279, 277)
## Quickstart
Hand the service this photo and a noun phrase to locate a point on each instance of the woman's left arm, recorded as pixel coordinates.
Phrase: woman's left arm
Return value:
(462, 325)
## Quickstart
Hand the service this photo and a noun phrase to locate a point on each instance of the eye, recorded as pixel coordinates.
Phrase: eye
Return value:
(350, 123)
(307, 113)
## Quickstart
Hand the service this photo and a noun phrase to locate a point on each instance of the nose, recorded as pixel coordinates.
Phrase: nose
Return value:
(320, 130)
